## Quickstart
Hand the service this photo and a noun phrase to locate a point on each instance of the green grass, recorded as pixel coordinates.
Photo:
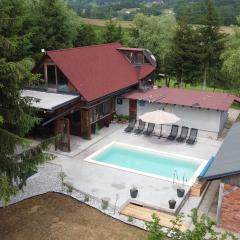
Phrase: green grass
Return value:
(161, 83)
(236, 106)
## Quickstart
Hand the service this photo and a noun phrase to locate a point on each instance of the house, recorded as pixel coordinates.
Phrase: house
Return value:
(80, 85)
(226, 167)
(206, 111)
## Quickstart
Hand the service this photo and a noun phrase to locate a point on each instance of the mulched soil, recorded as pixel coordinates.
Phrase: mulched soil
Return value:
(56, 216)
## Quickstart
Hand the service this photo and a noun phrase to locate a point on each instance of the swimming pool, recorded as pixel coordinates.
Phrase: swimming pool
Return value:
(149, 162)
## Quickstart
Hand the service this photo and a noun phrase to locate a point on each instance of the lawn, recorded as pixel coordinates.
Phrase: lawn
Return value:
(102, 22)
(55, 216)
(129, 24)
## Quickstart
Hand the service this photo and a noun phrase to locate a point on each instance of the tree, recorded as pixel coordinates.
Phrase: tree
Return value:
(85, 36)
(212, 45)
(112, 32)
(15, 42)
(54, 25)
(156, 33)
(17, 118)
(204, 228)
(186, 51)
(231, 59)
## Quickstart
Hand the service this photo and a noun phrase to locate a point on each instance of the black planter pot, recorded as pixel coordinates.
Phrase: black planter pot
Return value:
(133, 192)
(180, 192)
(172, 204)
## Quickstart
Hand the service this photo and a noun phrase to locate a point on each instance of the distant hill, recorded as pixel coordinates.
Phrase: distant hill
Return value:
(126, 9)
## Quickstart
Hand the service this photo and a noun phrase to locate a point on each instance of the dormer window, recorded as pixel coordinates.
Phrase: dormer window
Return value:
(54, 78)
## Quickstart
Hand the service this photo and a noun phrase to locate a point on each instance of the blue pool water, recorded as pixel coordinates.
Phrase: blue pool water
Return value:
(148, 162)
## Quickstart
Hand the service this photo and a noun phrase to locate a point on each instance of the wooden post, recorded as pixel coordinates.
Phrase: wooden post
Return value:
(132, 109)
(56, 77)
(45, 66)
(85, 124)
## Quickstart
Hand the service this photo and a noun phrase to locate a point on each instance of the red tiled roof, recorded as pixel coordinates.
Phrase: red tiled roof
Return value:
(145, 70)
(184, 97)
(96, 71)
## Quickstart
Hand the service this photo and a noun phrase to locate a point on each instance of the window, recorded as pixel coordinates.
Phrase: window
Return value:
(119, 101)
(100, 111)
(139, 58)
(62, 81)
(51, 76)
(104, 108)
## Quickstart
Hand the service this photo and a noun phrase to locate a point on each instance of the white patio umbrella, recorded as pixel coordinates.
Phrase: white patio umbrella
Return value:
(159, 117)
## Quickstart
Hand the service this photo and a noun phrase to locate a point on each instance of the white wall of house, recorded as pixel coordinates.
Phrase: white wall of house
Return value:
(122, 109)
(209, 122)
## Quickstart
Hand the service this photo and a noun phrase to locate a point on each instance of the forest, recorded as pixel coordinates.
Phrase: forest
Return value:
(127, 9)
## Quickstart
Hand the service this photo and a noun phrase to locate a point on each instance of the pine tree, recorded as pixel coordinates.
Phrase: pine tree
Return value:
(17, 117)
(54, 25)
(15, 42)
(112, 32)
(85, 36)
(186, 53)
(212, 45)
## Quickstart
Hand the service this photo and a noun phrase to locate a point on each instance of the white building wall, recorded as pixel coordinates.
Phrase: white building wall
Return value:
(208, 122)
(122, 109)
(223, 120)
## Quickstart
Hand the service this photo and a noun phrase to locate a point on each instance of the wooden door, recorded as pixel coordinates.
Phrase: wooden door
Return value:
(132, 109)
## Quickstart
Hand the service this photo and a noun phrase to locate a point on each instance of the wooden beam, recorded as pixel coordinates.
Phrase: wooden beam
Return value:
(45, 66)
(85, 124)
(56, 76)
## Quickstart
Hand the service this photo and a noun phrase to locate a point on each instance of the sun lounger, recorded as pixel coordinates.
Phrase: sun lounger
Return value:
(149, 130)
(130, 126)
(173, 133)
(192, 136)
(183, 134)
(140, 128)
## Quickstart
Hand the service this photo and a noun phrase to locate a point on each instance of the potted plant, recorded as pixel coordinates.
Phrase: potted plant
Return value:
(133, 192)
(172, 203)
(181, 190)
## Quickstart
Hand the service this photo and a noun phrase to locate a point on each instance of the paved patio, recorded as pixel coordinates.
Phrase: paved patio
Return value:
(113, 184)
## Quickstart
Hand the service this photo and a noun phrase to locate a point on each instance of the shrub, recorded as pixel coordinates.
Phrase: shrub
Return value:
(204, 228)
(62, 176)
(105, 204)
(86, 198)
(69, 188)
(130, 219)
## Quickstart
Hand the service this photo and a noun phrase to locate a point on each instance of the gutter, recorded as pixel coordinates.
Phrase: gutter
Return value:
(219, 176)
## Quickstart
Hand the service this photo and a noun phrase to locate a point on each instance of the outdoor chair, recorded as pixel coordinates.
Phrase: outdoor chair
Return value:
(149, 130)
(192, 136)
(130, 126)
(140, 128)
(173, 133)
(183, 134)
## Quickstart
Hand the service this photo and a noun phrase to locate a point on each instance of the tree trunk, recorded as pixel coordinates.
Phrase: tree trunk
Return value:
(181, 84)
(205, 78)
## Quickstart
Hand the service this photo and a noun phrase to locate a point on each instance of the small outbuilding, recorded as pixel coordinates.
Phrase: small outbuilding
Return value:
(206, 111)
(226, 166)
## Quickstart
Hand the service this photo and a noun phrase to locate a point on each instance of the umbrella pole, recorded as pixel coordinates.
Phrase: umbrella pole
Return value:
(160, 131)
